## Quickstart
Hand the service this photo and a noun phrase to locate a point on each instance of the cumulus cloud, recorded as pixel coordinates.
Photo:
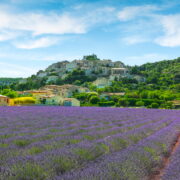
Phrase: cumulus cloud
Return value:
(42, 24)
(38, 43)
(7, 35)
(171, 27)
(131, 12)
(32, 25)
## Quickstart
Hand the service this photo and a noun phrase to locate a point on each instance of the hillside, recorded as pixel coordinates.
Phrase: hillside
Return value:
(8, 81)
(163, 72)
(77, 72)
(159, 75)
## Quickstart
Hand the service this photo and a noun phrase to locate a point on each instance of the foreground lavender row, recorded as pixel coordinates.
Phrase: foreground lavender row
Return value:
(86, 143)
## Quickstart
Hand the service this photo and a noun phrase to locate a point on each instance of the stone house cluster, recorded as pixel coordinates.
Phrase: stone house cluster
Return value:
(57, 95)
(100, 68)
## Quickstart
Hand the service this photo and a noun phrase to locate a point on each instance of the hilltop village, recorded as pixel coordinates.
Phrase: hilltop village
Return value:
(94, 82)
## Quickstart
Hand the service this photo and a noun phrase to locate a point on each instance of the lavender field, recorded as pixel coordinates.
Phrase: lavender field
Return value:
(86, 143)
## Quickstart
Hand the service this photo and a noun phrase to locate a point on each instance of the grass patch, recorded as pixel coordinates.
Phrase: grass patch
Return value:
(152, 152)
(2, 145)
(35, 150)
(5, 136)
(84, 154)
(46, 137)
(74, 141)
(63, 164)
(21, 142)
(84, 126)
(92, 153)
(135, 138)
(90, 138)
(28, 171)
(118, 144)
(125, 171)
(54, 130)
(164, 148)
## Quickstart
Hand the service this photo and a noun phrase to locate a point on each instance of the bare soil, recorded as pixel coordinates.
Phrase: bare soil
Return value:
(165, 161)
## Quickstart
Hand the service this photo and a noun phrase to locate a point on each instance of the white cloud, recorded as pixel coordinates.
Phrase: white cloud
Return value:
(12, 70)
(171, 27)
(42, 24)
(38, 43)
(131, 12)
(7, 35)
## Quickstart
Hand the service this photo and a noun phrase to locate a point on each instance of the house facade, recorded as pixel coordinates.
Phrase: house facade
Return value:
(71, 102)
(4, 100)
(64, 91)
(102, 82)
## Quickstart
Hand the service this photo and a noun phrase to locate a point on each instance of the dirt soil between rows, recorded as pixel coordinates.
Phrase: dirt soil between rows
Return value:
(165, 161)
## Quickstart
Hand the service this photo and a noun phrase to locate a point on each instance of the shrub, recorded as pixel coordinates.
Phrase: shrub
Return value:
(89, 94)
(139, 103)
(35, 150)
(21, 142)
(94, 99)
(154, 105)
(28, 171)
(3, 145)
(108, 103)
(118, 144)
(63, 164)
(123, 102)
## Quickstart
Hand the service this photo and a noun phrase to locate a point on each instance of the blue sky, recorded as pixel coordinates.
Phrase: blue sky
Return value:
(37, 33)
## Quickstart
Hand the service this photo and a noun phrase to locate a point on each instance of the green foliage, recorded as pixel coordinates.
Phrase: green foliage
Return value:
(21, 142)
(92, 57)
(92, 153)
(8, 92)
(84, 154)
(90, 138)
(77, 77)
(152, 152)
(3, 145)
(92, 94)
(123, 102)
(118, 144)
(161, 85)
(35, 150)
(154, 105)
(5, 136)
(106, 103)
(94, 99)
(135, 138)
(125, 170)
(62, 164)
(28, 171)
(139, 103)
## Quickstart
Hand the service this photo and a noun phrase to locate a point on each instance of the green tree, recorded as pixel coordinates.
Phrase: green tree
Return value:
(123, 102)
(154, 105)
(94, 99)
(139, 103)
